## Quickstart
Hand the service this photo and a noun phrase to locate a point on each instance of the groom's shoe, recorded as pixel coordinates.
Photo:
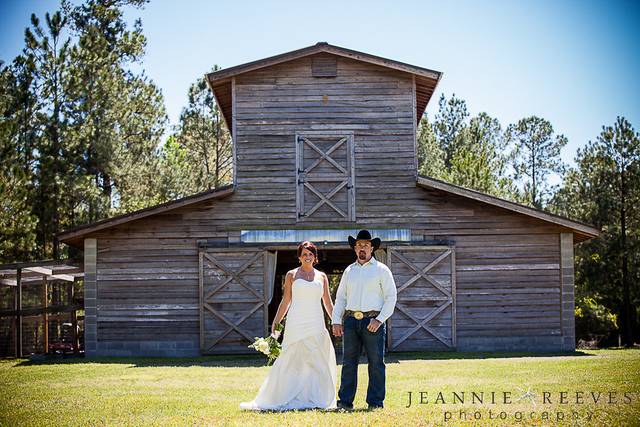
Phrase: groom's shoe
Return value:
(372, 407)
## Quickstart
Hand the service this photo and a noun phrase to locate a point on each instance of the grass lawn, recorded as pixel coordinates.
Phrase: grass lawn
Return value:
(207, 391)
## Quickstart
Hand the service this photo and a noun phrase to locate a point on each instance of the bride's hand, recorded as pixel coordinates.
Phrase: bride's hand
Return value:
(337, 330)
(373, 326)
(275, 332)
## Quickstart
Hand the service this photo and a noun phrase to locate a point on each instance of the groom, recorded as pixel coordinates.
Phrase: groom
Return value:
(366, 298)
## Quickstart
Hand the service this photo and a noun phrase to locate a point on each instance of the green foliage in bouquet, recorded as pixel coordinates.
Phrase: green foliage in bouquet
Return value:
(269, 346)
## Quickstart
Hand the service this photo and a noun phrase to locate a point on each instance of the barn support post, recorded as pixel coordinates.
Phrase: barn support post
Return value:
(90, 295)
(18, 307)
(45, 315)
(74, 316)
(201, 298)
(567, 298)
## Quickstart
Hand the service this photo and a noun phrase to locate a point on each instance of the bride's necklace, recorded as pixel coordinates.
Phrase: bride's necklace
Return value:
(308, 276)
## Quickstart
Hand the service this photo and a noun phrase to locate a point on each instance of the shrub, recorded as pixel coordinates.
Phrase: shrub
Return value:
(594, 322)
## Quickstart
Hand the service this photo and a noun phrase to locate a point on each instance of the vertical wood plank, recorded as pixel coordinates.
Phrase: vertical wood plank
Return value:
(352, 188)
(415, 126)
(18, 305)
(453, 295)
(234, 134)
(390, 319)
(45, 315)
(74, 317)
(90, 297)
(299, 189)
(201, 297)
(567, 292)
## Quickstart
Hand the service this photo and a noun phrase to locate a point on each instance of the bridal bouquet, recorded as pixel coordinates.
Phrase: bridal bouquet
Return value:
(269, 346)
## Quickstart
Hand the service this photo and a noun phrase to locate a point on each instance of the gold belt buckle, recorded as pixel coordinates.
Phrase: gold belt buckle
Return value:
(358, 315)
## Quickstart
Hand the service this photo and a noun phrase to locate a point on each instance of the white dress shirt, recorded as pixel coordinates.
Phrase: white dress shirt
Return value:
(366, 287)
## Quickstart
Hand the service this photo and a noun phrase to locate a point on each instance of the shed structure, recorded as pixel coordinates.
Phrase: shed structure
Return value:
(324, 144)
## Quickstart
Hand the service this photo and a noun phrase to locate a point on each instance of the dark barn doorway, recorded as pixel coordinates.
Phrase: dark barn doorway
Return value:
(332, 263)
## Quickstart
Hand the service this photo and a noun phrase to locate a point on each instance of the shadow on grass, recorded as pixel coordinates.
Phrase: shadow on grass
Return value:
(334, 411)
(255, 360)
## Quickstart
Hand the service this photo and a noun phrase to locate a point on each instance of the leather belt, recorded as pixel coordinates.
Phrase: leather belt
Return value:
(361, 314)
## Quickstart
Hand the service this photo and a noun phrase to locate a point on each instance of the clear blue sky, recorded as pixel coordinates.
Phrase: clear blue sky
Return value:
(575, 63)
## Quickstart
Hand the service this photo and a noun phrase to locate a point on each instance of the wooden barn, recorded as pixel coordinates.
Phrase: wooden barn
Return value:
(324, 144)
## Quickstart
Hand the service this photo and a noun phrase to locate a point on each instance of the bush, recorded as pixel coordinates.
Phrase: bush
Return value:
(594, 322)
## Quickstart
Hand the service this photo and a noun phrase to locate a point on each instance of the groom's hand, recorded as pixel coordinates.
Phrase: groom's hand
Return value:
(374, 324)
(337, 330)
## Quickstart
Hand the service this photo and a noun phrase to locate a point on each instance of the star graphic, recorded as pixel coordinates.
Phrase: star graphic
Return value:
(528, 394)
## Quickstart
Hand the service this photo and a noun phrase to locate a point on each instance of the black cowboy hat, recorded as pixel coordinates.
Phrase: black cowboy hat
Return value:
(365, 235)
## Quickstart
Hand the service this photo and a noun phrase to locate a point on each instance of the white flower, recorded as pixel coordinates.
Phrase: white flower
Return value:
(263, 346)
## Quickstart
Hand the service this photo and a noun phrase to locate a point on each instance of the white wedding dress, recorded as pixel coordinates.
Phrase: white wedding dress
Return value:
(304, 375)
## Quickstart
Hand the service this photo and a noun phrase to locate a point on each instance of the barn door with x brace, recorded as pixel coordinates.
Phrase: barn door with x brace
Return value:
(424, 318)
(234, 298)
(325, 176)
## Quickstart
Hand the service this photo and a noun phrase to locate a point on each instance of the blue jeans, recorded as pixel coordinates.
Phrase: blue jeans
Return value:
(355, 337)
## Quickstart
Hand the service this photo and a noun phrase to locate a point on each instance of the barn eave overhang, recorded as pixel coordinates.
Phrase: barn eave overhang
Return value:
(75, 236)
(581, 231)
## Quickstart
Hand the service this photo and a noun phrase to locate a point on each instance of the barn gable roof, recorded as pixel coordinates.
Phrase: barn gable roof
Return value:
(69, 236)
(221, 81)
(583, 231)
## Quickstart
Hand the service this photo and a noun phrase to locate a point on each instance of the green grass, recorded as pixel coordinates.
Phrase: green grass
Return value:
(207, 390)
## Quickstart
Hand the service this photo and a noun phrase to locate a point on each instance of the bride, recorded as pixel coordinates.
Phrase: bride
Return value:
(304, 375)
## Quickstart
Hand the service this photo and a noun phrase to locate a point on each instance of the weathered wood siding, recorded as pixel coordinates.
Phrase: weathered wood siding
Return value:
(275, 103)
(507, 264)
(507, 275)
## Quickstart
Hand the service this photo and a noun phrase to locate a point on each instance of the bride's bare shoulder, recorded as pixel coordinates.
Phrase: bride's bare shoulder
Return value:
(291, 273)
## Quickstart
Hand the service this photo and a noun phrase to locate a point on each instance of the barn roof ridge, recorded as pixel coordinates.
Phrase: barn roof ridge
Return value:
(319, 47)
(586, 231)
(221, 85)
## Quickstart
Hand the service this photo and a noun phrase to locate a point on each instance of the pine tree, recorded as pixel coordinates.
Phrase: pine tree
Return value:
(449, 126)
(207, 142)
(536, 154)
(118, 115)
(480, 162)
(17, 223)
(48, 53)
(469, 153)
(604, 190)
(430, 155)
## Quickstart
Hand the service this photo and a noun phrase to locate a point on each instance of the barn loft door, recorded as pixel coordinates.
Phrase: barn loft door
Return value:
(325, 177)
(233, 298)
(424, 318)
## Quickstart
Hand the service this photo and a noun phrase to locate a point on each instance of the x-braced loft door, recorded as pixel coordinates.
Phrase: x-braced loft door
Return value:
(234, 292)
(325, 177)
(424, 318)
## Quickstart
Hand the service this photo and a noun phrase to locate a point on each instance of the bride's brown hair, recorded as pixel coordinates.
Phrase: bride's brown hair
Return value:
(310, 247)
